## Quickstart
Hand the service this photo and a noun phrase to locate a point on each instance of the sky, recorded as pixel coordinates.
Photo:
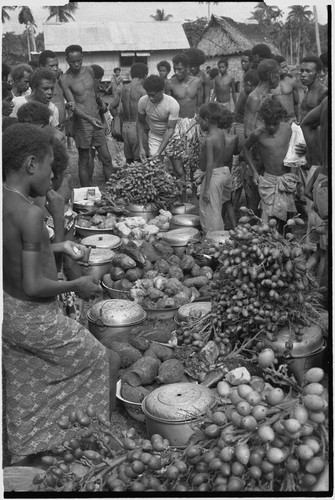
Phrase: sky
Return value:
(141, 11)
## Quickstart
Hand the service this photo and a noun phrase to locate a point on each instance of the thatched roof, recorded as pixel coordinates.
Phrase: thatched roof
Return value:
(223, 36)
(110, 36)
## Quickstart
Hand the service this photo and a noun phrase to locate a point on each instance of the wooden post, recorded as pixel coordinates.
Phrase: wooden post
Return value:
(317, 34)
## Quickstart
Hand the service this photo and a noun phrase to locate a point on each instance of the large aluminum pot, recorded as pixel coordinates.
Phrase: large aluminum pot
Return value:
(113, 319)
(175, 410)
(98, 264)
(148, 212)
(305, 354)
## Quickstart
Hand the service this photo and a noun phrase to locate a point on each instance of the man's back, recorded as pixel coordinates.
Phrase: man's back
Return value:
(131, 94)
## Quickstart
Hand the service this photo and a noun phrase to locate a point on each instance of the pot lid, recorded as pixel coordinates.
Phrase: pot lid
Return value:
(178, 402)
(116, 312)
(180, 237)
(193, 311)
(312, 341)
(188, 220)
(217, 236)
(100, 256)
(102, 241)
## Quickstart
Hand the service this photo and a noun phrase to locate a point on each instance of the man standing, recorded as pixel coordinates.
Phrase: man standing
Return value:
(79, 88)
(160, 112)
(310, 72)
(197, 58)
(130, 96)
(42, 84)
(287, 91)
(186, 89)
(224, 83)
(48, 59)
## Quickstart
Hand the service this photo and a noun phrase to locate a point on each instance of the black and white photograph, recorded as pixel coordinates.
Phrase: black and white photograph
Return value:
(166, 272)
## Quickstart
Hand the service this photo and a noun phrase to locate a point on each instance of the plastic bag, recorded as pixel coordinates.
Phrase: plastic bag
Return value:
(292, 159)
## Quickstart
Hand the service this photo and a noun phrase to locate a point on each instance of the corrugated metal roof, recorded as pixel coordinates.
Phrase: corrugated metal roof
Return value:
(111, 37)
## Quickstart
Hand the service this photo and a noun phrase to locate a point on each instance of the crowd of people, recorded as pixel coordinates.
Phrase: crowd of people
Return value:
(261, 141)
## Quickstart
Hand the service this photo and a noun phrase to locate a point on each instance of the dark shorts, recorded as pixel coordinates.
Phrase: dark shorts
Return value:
(86, 136)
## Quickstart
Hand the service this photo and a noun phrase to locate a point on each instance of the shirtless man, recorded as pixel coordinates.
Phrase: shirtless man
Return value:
(130, 95)
(224, 83)
(186, 89)
(310, 72)
(287, 91)
(20, 76)
(48, 59)
(269, 76)
(197, 58)
(277, 186)
(259, 52)
(79, 88)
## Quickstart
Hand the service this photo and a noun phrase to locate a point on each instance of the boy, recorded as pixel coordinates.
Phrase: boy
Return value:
(277, 186)
(216, 185)
(52, 363)
(231, 160)
(223, 84)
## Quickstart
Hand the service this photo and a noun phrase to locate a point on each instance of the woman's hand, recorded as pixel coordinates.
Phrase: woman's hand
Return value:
(76, 251)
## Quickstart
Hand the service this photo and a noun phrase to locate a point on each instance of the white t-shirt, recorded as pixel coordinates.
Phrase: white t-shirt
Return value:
(159, 113)
(21, 100)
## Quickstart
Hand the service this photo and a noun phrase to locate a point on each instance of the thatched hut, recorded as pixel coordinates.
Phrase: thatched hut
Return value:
(225, 37)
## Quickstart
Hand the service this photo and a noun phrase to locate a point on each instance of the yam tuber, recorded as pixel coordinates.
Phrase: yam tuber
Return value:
(170, 372)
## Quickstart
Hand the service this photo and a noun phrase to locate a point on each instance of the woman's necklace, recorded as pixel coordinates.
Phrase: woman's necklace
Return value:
(17, 191)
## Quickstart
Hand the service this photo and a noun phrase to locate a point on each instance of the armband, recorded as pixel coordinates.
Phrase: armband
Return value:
(31, 247)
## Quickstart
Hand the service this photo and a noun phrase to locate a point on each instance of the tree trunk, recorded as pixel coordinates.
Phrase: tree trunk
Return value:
(317, 34)
(291, 47)
(32, 42)
(28, 41)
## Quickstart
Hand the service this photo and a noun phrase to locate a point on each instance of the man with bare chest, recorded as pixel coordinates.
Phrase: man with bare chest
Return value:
(310, 72)
(287, 92)
(79, 89)
(186, 89)
(224, 83)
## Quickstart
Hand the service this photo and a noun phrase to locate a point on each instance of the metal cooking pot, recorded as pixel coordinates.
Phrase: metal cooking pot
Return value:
(175, 410)
(98, 263)
(113, 319)
(109, 241)
(304, 355)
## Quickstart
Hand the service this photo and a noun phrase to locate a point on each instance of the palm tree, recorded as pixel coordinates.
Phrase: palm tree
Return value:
(160, 15)
(209, 8)
(26, 17)
(63, 14)
(266, 16)
(299, 17)
(5, 14)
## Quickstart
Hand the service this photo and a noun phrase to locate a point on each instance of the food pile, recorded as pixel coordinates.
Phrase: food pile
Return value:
(256, 438)
(137, 228)
(261, 285)
(144, 184)
(97, 221)
(155, 277)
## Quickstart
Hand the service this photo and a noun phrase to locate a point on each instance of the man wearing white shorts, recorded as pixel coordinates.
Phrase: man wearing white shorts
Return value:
(160, 113)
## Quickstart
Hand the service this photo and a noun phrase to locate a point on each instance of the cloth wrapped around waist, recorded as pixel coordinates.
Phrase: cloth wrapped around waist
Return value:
(277, 194)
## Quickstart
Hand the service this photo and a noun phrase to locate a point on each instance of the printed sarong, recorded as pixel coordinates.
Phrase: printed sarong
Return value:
(52, 364)
(277, 195)
(219, 192)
